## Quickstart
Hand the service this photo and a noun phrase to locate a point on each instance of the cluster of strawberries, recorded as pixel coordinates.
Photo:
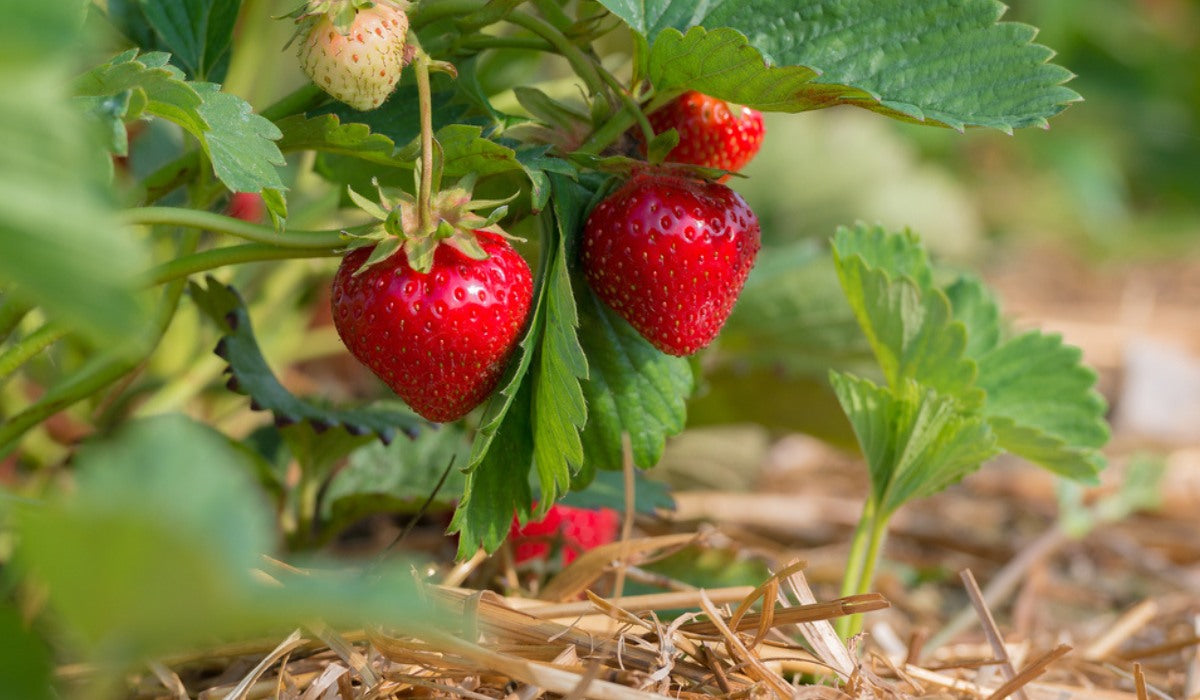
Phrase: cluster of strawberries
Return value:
(668, 251)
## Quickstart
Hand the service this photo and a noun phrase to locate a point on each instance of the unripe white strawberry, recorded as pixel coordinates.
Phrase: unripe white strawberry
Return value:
(360, 66)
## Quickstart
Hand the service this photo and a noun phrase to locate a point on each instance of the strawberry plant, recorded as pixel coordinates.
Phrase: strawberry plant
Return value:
(528, 254)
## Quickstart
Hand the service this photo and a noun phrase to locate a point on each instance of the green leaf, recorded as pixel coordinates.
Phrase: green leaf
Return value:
(915, 440)
(251, 375)
(61, 246)
(1043, 406)
(535, 419)
(154, 551)
(973, 304)
(167, 93)
(168, 499)
(198, 33)
(633, 388)
(239, 143)
(497, 484)
(326, 133)
(25, 668)
(945, 62)
(395, 478)
(466, 152)
(908, 322)
(559, 409)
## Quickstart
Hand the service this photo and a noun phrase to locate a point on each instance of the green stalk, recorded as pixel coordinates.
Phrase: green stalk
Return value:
(865, 548)
(631, 106)
(206, 220)
(28, 348)
(553, 12)
(100, 372)
(482, 42)
(619, 123)
(430, 12)
(583, 66)
(12, 311)
(230, 255)
(425, 100)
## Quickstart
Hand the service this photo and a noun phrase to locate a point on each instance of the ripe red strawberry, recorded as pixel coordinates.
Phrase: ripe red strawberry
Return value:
(439, 339)
(359, 61)
(247, 206)
(710, 133)
(576, 530)
(670, 255)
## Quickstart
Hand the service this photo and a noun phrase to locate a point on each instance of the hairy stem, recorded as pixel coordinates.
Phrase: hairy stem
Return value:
(425, 98)
(631, 106)
(196, 219)
(583, 65)
(12, 311)
(619, 123)
(230, 255)
(430, 12)
(29, 347)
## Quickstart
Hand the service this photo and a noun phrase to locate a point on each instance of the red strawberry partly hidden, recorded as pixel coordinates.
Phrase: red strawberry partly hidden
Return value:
(247, 206)
(576, 530)
(439, 339)
(356, 60)
(711, 133)
(670, 254)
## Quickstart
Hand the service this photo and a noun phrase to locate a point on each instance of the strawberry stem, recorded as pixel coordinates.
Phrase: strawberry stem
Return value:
(584, 66)
(209, 221)
(631, 105)
(424, 96)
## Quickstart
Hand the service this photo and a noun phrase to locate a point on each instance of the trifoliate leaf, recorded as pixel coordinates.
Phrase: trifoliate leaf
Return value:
(945, 62)
(907, 321)
(497, 483)
(1042, 403)
(916, 441)
(250, 375)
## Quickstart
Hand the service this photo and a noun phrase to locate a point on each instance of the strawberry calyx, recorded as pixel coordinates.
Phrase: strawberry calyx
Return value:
(628, 167)
(453, 220)
(341, 14)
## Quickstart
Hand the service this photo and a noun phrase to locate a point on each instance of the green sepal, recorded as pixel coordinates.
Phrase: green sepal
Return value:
(468, 245)
(419, 252)
(367, 205)
(383, 250)
(662, 145)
